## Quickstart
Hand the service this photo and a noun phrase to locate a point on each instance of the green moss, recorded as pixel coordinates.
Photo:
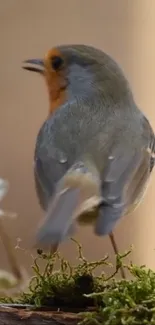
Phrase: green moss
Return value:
(114, 302)
(126, 302)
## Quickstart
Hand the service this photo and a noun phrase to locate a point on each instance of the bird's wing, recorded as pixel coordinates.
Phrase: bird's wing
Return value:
(39, 183)
(138, 185)
(47, 166)
(117, 175)
(125, 179)
(47, 172)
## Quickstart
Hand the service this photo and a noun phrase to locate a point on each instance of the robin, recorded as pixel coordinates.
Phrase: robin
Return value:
(95, 151)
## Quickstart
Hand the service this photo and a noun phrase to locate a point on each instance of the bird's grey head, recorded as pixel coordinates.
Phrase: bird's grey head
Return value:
(80, 71)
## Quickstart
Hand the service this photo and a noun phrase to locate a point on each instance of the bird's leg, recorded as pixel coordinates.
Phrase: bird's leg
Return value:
(115, 248)
(54, 248)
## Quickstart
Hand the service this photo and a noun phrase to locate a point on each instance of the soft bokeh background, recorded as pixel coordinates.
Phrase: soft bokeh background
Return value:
(124, 29)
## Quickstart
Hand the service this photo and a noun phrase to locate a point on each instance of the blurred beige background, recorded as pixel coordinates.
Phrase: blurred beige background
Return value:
(124, 29)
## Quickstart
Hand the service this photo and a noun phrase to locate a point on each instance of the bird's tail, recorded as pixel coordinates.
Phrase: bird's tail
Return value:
(76, 193)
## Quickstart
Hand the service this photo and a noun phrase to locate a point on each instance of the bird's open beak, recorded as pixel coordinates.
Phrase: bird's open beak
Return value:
(36, 65)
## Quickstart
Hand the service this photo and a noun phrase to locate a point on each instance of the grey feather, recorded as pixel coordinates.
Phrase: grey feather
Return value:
(117, 175)
(99, 124)
(59, 218)
(107, 218)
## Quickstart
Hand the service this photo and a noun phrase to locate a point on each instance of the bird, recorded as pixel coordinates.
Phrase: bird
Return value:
(95, 151)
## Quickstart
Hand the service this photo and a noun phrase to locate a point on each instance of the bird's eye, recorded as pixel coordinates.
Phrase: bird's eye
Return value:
(56, 62)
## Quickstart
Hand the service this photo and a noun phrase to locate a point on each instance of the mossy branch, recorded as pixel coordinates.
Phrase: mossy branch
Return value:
(102, 299)
(113, 302)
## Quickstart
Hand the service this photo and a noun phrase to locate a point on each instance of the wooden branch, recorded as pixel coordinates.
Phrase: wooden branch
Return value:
(15, 316)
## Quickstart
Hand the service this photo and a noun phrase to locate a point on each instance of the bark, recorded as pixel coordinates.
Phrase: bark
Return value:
(20, 316)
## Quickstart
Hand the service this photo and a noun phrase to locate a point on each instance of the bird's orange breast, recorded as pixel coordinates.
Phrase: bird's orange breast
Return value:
(56, 82)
